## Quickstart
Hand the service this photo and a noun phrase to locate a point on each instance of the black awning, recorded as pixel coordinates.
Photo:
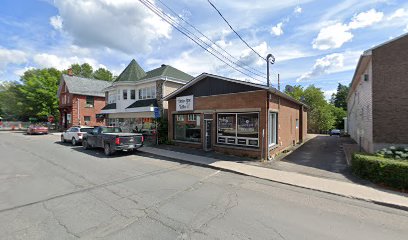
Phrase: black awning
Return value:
(109, 106)
(144, 103)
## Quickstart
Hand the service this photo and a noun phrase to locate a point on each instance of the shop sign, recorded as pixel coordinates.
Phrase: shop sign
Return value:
(185, 103)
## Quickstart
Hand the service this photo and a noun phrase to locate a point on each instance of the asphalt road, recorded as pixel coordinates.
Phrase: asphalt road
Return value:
(54, 191)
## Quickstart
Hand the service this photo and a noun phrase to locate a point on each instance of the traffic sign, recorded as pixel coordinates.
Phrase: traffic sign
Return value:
(156, 112)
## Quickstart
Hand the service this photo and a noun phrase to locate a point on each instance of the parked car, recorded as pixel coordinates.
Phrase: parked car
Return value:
(335, 132)
(112, 139)
(37, 129)
(75, 134)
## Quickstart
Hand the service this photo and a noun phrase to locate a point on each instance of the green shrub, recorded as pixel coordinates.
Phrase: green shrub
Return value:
(399, 153)
(390, 172)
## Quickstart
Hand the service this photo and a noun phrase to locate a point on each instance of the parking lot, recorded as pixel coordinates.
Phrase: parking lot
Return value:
(50, 190)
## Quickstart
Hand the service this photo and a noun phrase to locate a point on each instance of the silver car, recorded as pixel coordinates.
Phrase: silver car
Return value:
(75, 134)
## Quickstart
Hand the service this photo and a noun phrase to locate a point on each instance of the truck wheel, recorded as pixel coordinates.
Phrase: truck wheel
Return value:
(85, 144)
(62, 139)
(107, 149)
(74, 142)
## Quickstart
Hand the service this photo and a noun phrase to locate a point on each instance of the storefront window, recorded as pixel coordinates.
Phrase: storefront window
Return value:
(240, 129)
(247, 125)
(187, 128)
(227, 125)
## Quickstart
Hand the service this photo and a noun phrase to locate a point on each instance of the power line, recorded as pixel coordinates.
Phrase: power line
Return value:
(199, 39)
(234, 30)
(202, 34)
(170, 21)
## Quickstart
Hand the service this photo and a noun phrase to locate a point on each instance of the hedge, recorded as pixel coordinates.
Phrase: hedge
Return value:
(390, 172)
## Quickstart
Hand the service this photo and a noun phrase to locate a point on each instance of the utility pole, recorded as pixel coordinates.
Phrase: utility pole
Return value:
(270, 59)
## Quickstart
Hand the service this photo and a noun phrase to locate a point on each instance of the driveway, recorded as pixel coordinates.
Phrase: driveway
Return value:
(322, 156)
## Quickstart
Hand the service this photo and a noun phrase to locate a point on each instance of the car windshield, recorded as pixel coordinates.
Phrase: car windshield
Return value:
(87, 130)
(111, 130)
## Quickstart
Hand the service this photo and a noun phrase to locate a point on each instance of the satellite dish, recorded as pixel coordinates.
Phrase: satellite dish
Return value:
(289, 88)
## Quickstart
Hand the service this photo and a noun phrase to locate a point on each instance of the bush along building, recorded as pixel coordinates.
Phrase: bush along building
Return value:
(235, 117)
(132, 98)
(377, 102)
(80, 101)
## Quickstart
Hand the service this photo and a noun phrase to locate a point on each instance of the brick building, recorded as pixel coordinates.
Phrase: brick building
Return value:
(81, 101)
(235, 117)
(378, 99)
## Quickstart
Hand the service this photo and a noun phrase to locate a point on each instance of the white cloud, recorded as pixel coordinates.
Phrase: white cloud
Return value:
(332, 63)
(365, 19)
(297, 10)
(11, 56)
(406, 28)
(335, 35)
(329, 93)
(56, 22)
(249, 58)
(399, 13)
(277, 30)
(21, 71)
(124, 25)
(45, 60)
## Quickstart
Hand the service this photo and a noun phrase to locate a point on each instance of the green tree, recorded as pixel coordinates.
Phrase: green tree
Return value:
(103, 74)
(320, 114)
(84, 70)
(339, 99)
(40, 88)
(13, 102)
(339, 115)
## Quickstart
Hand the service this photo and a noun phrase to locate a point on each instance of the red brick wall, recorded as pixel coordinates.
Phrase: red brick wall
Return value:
(99, 103)
(252, 100)
(288, 112)
(287, 115)
(390, 88)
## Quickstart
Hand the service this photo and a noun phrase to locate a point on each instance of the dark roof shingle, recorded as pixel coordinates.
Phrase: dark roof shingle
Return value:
(85, 86)
(109, 106)
(144, 103)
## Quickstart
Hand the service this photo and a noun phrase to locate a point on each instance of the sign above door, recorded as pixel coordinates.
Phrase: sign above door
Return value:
(185, 103)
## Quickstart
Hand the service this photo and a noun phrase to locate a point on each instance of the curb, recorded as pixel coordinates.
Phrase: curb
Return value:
(386, 204)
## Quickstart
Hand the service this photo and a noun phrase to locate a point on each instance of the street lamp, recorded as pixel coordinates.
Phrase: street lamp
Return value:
(270, 59)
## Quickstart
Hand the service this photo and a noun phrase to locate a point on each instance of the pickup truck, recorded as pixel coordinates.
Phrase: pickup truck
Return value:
(112, 139)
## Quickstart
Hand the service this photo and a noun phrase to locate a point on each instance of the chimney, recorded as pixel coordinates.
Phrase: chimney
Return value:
(70, 72)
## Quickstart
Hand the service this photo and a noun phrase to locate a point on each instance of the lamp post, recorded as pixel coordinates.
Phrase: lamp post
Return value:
(269, 59)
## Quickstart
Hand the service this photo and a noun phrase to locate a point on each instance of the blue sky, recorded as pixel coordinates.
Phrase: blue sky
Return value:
(314, 41)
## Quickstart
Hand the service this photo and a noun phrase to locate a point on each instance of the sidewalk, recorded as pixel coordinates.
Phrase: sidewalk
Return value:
(350, 190)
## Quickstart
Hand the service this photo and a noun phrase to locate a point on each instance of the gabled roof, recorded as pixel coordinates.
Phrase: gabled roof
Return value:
(144, 103)
(168, 71)
(132, 72)
(205, 75)
(84, 86)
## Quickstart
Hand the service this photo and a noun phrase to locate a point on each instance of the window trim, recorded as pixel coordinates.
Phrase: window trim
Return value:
(125, 94)
(246, 145)
(275, 143)
(88, 105)
(185, 117)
